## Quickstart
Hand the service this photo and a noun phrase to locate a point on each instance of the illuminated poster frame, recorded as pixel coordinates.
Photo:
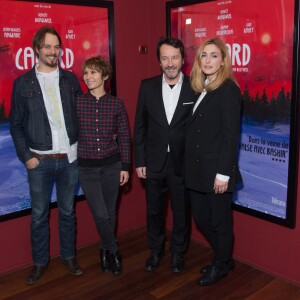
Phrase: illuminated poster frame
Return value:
(264, 48)
(87, 29)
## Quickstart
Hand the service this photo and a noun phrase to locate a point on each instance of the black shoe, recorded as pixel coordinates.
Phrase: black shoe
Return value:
(230, 265)
(105, 263)
(153, 262)
(215, 274)
(177, 262)
(73, 267)
(35, 274)
(116, 263)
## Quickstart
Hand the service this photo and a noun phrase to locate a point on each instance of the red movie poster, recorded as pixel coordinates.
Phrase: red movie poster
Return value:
(84, 31)
(260, 39)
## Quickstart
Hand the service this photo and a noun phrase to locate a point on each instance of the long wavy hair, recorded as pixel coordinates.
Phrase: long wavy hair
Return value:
(198, 77)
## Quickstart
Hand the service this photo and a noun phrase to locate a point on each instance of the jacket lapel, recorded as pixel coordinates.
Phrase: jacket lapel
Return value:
(32, 80)
(159, 102)
(202, 104)
(185, 90)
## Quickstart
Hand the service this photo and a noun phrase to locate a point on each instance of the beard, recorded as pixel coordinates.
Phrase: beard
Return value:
(52, 64)
(49, 63)
(171, 72)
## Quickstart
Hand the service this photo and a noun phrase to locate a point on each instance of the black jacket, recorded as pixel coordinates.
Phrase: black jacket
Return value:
(152, 133)
(212, 137)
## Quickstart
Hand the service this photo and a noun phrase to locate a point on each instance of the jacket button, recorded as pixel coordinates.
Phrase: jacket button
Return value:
(197, 160)
(200, 115)
(197, 146)
(198, 131)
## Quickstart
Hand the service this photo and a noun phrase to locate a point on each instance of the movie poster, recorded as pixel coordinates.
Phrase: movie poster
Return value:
(259, 36)
(84, 32)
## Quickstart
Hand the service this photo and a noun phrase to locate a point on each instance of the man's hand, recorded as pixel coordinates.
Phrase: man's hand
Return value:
(141, 172)
(32, 163)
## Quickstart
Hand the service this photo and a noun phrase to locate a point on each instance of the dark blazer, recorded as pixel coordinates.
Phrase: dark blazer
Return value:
(212, 137)
(152, 133)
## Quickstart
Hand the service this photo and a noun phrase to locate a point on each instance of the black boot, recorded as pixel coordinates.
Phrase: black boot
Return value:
(116, 263)
(105, 263)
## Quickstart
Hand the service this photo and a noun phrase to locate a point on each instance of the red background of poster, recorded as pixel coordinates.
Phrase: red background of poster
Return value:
(83, 30)
(269, 36)
(261, 46)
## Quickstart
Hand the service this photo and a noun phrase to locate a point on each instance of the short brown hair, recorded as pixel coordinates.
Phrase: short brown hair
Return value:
(99, 64)
(39, 37)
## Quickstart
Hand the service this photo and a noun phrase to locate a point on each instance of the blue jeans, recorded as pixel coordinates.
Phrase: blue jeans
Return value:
(101, 187)
(41, 181)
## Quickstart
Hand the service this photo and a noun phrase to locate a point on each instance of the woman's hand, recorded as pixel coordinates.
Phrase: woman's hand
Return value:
(124, 177)
(220, 186)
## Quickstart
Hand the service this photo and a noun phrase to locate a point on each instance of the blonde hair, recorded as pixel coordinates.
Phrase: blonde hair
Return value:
(198, 77)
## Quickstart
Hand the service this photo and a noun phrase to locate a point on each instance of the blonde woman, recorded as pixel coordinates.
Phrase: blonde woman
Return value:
(211, 170)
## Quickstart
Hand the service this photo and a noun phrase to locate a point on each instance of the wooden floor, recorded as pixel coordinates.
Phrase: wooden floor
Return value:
(244, 282)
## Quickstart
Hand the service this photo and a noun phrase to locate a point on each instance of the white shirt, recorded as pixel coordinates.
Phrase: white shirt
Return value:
(199, 100)
(171, 97)
(60, 139)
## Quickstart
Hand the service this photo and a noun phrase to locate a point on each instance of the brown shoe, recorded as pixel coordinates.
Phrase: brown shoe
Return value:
(35, 274)
(73, 267)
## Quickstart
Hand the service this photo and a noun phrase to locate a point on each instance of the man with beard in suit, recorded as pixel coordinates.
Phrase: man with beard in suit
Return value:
(164, 104)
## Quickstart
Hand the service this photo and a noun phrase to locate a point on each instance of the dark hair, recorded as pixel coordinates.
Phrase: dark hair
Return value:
(39, 37)
(176, 43)
(99, 64)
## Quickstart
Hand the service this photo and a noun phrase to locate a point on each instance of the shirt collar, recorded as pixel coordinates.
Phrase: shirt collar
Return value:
(55, 73)
(206, 82)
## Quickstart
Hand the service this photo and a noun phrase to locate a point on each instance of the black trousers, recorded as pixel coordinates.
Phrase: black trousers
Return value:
(157, 186)
(101, 187)
(213, 216)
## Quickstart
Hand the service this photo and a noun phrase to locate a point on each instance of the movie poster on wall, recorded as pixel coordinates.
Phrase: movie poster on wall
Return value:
(84, 31)
(260, 39)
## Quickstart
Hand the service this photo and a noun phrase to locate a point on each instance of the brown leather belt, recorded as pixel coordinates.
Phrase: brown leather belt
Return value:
(53, 156)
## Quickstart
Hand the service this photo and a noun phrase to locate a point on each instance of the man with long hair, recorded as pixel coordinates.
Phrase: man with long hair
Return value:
(44, 130)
